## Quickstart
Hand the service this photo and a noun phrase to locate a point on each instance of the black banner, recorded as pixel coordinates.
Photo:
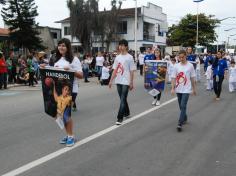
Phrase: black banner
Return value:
(57, 88)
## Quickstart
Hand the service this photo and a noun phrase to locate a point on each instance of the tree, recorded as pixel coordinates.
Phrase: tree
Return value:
(111, 22)
(184, 33)
(20, 15)
(2, 2)
(83, 20)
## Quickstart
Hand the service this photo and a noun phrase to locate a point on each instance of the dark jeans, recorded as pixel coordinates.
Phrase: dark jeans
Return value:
(182, 100)
(123, 91)
(141, 69)
(205, 68)
(10, 76)
(86, 74)
(14, 74)
(31, 78)
(99, 71)
(3, 80)
(158, 97)
(105, 81)
(217, 85)
(74, 95)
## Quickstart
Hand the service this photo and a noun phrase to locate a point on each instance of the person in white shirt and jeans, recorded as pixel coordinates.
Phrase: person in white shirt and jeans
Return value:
(141, 62)
(183, 83)
(99, 64)
(123, 74)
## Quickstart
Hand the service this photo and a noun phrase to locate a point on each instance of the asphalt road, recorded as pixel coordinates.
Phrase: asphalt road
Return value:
(146, 146)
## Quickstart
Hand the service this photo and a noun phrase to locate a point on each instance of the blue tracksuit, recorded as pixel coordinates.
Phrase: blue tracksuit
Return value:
(220, 67)
(192, 59)
(149, 57)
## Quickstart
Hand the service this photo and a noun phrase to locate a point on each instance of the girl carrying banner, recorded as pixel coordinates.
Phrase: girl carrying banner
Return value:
(64, 60)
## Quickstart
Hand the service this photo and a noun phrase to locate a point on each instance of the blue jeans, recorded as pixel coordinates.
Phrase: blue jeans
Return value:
(86, 74)
(99, 71)
(123, 91)
(182, 100)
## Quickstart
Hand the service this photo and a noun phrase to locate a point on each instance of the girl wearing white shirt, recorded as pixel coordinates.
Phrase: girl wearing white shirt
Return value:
(66, 61)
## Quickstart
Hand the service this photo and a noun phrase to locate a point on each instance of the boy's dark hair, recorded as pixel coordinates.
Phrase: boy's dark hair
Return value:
(232, 62)
(210, 62)
(183, 52)
(123, 42)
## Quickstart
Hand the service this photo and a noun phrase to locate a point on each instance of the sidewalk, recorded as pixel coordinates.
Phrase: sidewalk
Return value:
(92, 80)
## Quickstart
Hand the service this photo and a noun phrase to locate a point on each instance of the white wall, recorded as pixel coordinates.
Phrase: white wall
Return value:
(152, 14)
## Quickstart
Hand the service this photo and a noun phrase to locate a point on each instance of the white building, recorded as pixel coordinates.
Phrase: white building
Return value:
(151, 28)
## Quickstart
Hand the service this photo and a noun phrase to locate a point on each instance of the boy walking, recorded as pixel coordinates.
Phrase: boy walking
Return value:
(183, 83)
(123, 73)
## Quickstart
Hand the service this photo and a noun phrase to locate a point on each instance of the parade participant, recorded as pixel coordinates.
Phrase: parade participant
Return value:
(219, 68)
(208, 58)
(232, 76)
(157, 56)
(183, 83)
(99, 64)
(198, 69)
(141, 61)
(123, 74)
(3, 72)
(149, 55)
(209, 76)
(171, 67)
(66, 61)
(191, 57)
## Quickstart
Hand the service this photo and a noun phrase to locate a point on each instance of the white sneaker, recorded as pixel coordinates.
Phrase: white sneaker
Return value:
(154, 102)
(158, 103)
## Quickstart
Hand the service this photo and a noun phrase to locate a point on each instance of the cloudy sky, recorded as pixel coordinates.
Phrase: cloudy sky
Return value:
(55, 10)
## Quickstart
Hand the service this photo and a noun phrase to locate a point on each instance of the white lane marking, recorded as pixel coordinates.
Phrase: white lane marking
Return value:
(83, 141)
(8, 93)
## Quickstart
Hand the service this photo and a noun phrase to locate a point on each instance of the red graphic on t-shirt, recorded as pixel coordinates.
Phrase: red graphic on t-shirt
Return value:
(181, 78)
(120, 69)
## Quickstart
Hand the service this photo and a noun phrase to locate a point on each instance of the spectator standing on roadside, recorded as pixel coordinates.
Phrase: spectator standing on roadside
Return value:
(99, 64)
(3, 72)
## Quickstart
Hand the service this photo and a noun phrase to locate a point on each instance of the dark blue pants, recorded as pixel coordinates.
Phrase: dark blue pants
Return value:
(3, 80)
(182, 100)
(86, 74)
(217, 85)
(123, 91)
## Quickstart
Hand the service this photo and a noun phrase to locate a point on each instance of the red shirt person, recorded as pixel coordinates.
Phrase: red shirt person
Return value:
(3, 72)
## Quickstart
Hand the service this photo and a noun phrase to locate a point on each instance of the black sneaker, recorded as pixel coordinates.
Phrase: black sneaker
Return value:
(119, 122)
(179, 128)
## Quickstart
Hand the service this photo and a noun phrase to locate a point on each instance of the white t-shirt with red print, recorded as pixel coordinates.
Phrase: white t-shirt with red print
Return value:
(182, 74)
(124, 65)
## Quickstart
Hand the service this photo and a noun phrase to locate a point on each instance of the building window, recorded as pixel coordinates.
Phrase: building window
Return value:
(66, 30)
(159, 31)
(122, 27)
(54, 35)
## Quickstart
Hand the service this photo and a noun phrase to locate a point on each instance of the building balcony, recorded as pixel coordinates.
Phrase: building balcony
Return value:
(150, 38)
